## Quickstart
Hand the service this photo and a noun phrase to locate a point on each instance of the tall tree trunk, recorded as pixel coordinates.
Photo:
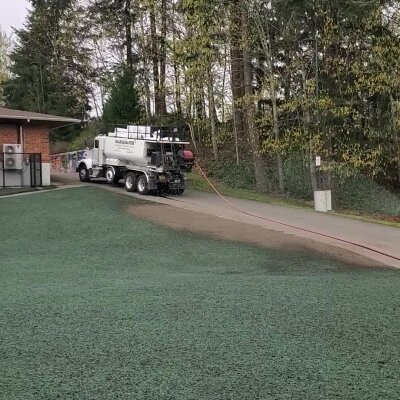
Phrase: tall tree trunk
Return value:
(237, 73)
(155, 59)
(128, 35)
(272, 89)
(177, 89)
(307, 115)
(200, 102)
(265, 40)
(393, 112)
(148, 97)
(144, 55)
(277, 135)
(236, 136)
(163, 57)
(211, 108)
(262, 182)
(178, 101)
(191, 107)
(224, 83)
(313, 171)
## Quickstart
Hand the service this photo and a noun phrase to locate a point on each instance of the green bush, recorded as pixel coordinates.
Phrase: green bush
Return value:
(297, 178)
(358, 193)
(79, 142)
(231, 174)
(363, 194)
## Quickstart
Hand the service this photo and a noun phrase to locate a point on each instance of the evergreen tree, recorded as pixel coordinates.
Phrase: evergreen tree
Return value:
(5, 46)
(50, 67)
(123, 106)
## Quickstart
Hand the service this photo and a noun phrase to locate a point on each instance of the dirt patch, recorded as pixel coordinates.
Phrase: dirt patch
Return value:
(196, 222)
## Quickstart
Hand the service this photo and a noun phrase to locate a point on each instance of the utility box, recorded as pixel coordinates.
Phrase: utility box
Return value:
(323, 200)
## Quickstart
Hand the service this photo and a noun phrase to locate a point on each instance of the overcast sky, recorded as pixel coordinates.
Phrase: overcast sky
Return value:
(12, 14)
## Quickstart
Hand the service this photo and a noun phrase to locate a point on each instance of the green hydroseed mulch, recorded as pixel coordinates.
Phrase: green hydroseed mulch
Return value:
(97, 304)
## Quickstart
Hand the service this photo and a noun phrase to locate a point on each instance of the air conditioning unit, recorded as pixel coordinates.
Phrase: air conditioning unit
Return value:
(12, 156)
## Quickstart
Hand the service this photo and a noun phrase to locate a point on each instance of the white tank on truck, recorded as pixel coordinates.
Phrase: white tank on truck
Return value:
(150, 159)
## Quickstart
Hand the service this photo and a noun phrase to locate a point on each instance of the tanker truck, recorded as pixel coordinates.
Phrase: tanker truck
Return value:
(150, 159)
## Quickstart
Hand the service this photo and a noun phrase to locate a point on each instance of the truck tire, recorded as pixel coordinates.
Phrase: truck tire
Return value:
(111, 176)
(130, 182)
(84, 174)
(142, 186)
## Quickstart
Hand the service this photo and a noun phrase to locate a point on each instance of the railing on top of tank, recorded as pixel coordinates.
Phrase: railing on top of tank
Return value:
(162, 134)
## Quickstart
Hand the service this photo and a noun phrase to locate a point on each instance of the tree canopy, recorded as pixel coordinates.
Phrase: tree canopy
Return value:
(263, 83)
(123, 105)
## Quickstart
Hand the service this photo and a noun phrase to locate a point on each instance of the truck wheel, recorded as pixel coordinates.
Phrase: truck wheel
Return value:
(111, 176)
(84, 174)
(142, 186)
(130, 182)
(180, 192)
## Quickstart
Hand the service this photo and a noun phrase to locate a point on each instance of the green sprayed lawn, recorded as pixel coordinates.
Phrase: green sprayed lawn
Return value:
(96, 304)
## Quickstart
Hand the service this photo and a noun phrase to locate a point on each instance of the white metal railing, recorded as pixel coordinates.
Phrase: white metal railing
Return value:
(150, 133)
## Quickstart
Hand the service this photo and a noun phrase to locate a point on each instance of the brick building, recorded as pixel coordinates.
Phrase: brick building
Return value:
(30, 131)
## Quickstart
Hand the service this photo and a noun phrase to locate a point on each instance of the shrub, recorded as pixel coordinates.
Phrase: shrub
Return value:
(363, 194)
(231, 174)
